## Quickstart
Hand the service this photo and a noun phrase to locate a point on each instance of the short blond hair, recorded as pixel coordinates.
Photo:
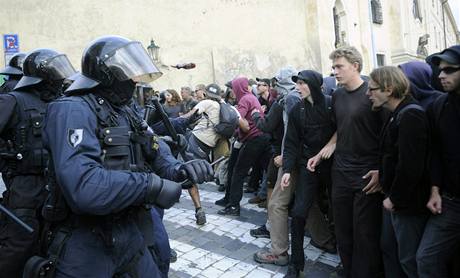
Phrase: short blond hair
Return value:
(350, 53)
(387, 77)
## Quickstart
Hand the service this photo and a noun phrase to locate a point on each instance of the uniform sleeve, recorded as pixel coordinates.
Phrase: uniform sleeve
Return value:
(165, 164)
(7, 106)
(292, 140)
(70, 135)
(413, 148)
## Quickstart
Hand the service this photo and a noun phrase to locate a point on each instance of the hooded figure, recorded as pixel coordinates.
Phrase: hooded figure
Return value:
(310, 127)
(420, 76)
(247, 102)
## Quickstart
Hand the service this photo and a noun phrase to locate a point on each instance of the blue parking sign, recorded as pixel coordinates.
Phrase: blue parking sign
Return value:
(11, 43)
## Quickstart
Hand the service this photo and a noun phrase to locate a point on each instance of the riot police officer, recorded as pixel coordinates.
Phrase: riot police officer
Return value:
(13, 71)
(21, 122)
(109, 168)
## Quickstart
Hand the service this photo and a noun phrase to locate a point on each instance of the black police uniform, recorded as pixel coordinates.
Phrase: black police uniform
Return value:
(106, 166)
(21, 123)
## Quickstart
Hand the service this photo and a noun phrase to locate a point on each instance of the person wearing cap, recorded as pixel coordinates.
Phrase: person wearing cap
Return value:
(203, 138)
(264, 94)
(13, 71)
(442, 235)
(310, 126)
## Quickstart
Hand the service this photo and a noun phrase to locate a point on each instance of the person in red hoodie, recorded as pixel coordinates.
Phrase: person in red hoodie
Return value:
(255, 145)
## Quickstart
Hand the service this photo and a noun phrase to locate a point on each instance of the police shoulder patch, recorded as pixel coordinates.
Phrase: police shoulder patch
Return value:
(74, 137)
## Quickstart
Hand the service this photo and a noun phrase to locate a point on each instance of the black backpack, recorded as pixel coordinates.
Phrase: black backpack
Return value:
(228, 120)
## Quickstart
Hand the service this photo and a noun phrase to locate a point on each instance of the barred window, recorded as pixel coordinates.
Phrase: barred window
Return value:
(377, 16)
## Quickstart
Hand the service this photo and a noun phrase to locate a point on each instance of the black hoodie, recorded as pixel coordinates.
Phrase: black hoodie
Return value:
(306, 135)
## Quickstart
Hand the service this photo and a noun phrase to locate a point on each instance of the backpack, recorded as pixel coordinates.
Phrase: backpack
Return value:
(228, 121)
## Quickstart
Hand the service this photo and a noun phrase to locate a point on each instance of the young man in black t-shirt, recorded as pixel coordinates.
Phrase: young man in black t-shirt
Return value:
(356, 197)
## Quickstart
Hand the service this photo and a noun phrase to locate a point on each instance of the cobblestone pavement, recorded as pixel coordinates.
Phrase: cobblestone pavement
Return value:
(223, 247)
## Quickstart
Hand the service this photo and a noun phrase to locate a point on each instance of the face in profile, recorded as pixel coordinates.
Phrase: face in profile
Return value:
(344, 71)
(376, 95)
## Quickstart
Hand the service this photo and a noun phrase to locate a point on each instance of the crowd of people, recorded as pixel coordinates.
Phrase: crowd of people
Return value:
(367, 166)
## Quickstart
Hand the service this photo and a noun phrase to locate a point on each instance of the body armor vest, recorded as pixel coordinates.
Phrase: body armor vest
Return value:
(26, 153)
(120, 138)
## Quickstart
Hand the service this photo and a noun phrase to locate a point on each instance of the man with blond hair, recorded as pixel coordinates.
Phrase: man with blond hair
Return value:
(356, 197)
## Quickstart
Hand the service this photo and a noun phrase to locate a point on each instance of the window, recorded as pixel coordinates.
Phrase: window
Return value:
(380, 60)
(376, 7)
(416, 10)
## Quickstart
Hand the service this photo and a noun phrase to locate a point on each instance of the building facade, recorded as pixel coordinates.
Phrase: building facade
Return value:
(227, 38)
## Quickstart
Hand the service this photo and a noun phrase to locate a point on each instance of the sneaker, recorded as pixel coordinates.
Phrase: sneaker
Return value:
(292, 272)
(230, 210)
(200, 217)
(260, 232)
(267, 257)
(263, 204)
(328, 247)
(256, 200)
(221, 202)
(173, 257)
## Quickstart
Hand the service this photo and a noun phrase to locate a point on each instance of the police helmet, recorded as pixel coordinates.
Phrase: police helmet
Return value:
(113, 57)
(44, 64)
(14, 65)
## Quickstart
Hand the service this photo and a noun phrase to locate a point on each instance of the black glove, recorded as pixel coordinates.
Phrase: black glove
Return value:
(163, 193)
(197, 171)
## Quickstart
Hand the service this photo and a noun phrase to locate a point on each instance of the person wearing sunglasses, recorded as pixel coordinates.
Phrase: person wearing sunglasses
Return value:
(441, 236)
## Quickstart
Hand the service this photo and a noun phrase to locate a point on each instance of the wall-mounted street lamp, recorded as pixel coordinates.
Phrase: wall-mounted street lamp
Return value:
(154, 51)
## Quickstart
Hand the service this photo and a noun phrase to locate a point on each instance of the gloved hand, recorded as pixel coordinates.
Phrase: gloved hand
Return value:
(161, 192)
(197, 171)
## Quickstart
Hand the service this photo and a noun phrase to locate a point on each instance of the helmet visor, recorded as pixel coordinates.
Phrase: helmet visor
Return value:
(59, 67)
(132, 62)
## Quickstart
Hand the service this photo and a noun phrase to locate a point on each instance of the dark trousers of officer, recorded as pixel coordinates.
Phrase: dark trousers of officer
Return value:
(440, 240)
(99, 251)
(358, 220)
(252, 151)
(306, 192)
(16, 244)
(401, 235)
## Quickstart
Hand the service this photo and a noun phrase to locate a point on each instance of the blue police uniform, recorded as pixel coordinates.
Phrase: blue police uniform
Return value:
(103, 192)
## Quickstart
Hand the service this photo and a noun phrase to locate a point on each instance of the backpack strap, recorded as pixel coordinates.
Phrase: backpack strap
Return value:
(405, 108)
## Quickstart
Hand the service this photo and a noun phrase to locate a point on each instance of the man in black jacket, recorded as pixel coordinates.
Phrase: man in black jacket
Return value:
(404, 149)
(442, 232)
(310, 125)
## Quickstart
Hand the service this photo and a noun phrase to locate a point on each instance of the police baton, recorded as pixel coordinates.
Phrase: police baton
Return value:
(16, 219)
(189, 182)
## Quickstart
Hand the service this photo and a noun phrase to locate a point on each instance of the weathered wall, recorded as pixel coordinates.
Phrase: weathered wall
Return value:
(250, 37)
(226, 38)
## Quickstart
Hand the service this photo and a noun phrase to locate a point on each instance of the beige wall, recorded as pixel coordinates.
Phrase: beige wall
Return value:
(224, 38)
(249, 37)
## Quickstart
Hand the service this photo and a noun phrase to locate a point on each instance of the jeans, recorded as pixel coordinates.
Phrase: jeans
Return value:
(401, 235)
(306, 189)
(252, 151)
(440, 240)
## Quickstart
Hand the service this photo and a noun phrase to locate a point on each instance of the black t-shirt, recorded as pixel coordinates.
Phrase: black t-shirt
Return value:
(358, 129)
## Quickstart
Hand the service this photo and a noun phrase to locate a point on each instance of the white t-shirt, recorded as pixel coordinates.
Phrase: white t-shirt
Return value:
(204, 130)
